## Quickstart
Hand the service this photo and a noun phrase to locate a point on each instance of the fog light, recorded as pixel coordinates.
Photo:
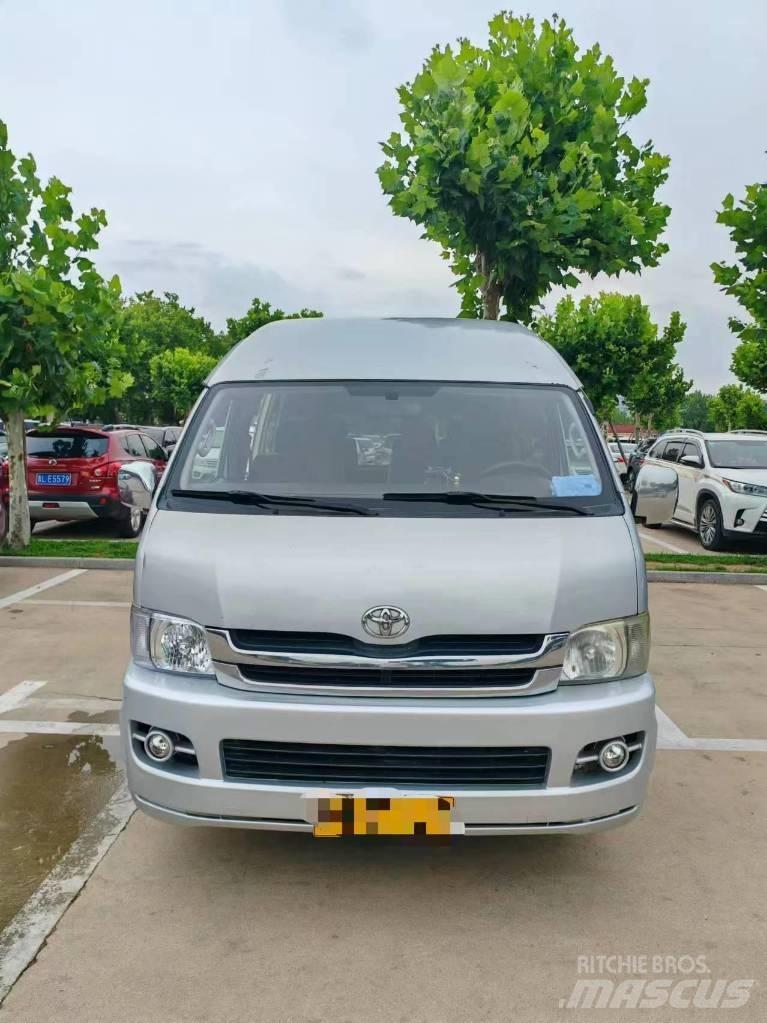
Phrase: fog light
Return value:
(613, 755)
(158, 745)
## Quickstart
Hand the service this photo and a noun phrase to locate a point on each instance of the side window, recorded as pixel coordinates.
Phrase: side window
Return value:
(152, 448)
(656, 451)
(134, 446)
(691, 449)
(673, 450)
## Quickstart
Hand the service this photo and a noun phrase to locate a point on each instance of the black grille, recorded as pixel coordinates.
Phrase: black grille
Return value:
(309, 763)
(405, 678)
(427, 646)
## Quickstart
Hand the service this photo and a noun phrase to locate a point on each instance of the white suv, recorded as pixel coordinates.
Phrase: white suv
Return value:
(722, 482)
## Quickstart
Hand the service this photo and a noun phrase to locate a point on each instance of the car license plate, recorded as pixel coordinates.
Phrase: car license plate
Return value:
(338, 816)
(54, 479)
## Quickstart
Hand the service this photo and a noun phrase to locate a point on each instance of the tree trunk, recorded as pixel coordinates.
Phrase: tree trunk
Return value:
(491, 289)
(18, 507)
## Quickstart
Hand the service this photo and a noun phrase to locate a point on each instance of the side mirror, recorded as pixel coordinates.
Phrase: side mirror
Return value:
(136, 483)
(655, 494)
(693, 461)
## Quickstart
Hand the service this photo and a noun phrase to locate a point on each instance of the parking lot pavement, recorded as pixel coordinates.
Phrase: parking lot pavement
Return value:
(201, 924)
(678, 540)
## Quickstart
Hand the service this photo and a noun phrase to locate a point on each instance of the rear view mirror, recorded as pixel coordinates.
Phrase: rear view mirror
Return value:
(694, 461)
(136, 483)
(655, 494)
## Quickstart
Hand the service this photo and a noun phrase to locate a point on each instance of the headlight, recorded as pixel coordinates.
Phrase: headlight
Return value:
(746, 488)
(168, 643)
(608, 650)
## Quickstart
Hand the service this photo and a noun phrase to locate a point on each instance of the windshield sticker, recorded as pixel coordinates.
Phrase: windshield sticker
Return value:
(575, 486)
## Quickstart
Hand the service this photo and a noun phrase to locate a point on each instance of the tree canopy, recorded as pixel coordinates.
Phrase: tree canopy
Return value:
(735, 407)
(695, 411)
(258, 315)
(612, 344)
(177, 376)
(58, 317)
(746, 280)
(516, 159)
(149, 325)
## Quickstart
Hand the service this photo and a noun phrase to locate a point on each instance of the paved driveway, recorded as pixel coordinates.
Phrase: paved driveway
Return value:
(193, 925)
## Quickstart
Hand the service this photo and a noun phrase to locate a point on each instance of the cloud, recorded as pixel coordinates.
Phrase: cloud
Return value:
(341, 22)
(348, 273)
(215, 285)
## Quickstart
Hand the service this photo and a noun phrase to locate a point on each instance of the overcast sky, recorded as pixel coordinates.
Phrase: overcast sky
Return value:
(233, 143)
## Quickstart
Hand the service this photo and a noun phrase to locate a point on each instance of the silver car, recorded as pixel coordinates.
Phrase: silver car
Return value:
(453, 639)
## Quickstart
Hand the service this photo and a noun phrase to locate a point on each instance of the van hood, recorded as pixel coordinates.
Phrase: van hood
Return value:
(451, 575)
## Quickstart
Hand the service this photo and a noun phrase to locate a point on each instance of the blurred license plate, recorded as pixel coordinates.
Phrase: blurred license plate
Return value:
(338, 816)
(54, 479)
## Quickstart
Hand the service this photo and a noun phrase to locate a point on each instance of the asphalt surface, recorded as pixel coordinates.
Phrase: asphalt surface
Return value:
(196, 924)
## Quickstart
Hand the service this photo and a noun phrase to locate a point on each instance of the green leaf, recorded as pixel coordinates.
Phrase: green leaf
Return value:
(390, 179)
(470, 181)
(424, 85)
(447, 73)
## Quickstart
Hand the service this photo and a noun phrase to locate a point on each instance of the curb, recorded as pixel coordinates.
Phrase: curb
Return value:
(725, 578)
(124, 564)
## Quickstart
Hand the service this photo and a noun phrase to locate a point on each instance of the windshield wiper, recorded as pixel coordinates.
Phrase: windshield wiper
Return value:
(273, 500)
(477, 499)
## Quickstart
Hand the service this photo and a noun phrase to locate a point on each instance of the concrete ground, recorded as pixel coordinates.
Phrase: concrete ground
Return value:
(204, 924)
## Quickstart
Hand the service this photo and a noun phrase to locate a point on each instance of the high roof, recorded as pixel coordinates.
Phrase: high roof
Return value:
(395, 349)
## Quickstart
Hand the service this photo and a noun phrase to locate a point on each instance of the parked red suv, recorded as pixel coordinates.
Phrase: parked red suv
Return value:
(72, 474)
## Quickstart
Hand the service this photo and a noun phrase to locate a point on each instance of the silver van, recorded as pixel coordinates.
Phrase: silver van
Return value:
(389, 583)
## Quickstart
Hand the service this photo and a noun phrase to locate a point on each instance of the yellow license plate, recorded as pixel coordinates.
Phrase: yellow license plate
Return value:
(339, 816)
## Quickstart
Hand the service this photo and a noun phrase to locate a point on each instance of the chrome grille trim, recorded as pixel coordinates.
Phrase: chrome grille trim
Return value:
(545, 663)
(222, 649)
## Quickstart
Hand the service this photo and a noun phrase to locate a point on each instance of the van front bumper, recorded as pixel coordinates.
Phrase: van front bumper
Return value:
(565, 721)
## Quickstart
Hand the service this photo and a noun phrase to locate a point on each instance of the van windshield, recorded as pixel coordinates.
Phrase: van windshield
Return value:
(391, 447)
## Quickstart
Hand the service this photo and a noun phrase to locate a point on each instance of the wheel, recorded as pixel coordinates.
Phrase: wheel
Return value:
(710, 525)
(129, 525)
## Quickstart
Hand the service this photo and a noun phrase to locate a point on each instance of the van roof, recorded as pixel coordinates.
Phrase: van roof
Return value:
(394, 349)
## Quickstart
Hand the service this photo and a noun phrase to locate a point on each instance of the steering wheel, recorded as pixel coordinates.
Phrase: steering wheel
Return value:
(500, 467)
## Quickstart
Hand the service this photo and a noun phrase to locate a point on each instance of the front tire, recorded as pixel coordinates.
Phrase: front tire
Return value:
(710, 532)
(129, 525)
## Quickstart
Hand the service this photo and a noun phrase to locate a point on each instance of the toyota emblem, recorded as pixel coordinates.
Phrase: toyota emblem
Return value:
(385, 622)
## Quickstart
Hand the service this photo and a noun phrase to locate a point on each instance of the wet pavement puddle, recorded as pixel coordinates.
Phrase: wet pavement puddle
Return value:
(51, 786)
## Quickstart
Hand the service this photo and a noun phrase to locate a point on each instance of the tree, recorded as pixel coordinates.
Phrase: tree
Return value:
(658, 385)
(695, 412)
(177, 376)
(515, 158)
(258, 315)
(746, 280)
(57, 314)
(612, 344)
(735, 407)
(150, 325)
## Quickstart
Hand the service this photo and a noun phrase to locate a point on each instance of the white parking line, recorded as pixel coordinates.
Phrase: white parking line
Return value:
(19, 726)
(25, 935)
(16, 598)
(13, 698)
(662, 543)
(671, 736)
(81, 603)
